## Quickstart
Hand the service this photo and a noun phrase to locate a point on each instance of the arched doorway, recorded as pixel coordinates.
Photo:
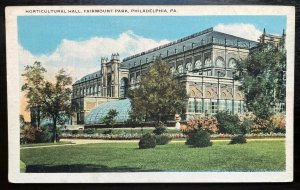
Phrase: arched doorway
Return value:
(124, 87)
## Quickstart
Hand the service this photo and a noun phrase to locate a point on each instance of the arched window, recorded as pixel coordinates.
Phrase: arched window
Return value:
(207, 62)
(189, 67)
(180, 69)
(220, 62)
(198, 64)
(232, 63)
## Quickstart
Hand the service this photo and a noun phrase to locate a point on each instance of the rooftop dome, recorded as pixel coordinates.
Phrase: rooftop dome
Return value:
(122, 106)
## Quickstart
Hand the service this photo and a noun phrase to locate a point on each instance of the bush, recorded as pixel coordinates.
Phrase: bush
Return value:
(107, 132)
(228, 123)
(74, 132)
(205, 123)
(43, 135)
(261, 126)
(160, 129)
(278, 122)
(89, 131)
(35, 135)
(239, 139)
(245, 126)
(28, 134)
(147, 141)
(162, 140)
(199, 138)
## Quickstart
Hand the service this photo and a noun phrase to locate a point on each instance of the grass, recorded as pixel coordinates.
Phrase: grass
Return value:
(124, 157)
(22, 167)
(44, 144)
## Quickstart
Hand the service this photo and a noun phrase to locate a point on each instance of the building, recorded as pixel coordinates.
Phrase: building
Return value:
(203, 61)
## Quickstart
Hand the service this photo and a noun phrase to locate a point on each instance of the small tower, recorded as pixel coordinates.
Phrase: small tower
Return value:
(110, 76)
(103, 76)
(262, 37)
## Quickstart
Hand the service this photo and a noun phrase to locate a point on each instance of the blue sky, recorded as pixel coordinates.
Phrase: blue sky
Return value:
(43, 34)
(76, 44)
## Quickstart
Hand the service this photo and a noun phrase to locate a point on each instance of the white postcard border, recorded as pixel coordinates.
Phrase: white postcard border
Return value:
(140, 177)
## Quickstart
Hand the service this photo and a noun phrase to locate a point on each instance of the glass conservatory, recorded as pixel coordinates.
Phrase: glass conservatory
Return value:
(96, 115)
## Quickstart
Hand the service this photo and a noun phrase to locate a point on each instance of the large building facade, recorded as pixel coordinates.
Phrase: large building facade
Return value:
(203, 61)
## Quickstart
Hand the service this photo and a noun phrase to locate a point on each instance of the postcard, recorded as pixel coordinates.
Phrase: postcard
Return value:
(139, 94)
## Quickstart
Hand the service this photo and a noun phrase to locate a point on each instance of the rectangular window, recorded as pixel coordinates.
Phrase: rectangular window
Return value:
(237, 107)
(221, 105)
(191, 105)
(214, 106)
(229, 105)
(229, 74)
(207, 109)
(199, 106)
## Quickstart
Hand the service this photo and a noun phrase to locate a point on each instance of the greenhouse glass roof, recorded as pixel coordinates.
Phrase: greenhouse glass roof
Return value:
(122, 106)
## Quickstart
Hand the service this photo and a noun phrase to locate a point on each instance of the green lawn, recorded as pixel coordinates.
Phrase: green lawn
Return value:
(253, 156)
(22, 167)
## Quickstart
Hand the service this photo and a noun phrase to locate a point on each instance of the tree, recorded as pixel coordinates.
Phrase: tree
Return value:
(52, 98)
(22, 120)
(262, 75)
(109, 119)
(159, 94)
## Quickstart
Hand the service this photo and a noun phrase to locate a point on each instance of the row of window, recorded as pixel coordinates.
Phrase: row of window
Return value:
(211, 106)
(207, 63)
(92, 90)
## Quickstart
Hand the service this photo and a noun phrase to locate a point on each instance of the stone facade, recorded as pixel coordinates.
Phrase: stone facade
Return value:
(204, 62)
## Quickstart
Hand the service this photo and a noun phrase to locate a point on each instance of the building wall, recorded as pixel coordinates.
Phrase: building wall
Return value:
(206, 70)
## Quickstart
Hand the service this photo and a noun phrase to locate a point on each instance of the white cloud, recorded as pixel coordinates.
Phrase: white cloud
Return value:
(243, 30)
(79, 58)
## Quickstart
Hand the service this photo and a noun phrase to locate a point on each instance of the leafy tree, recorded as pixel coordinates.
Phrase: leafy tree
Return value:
(262, 75)
(52, 98)
(22, 121)
(159, 94)
(109, 119)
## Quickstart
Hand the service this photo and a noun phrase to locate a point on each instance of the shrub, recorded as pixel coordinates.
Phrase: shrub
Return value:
(107, 132)
(246, 116)
(278, 122)
(147, 141)
(44, 135)
(28, 134)
(74, 132)
(245, 126)
(35, 135)
(89, 131)
(199, 138)
(228, 123)
(110, 118)
(261, 126)
(160, 129)
(162, 139)
(239, 139)
(205, 123)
